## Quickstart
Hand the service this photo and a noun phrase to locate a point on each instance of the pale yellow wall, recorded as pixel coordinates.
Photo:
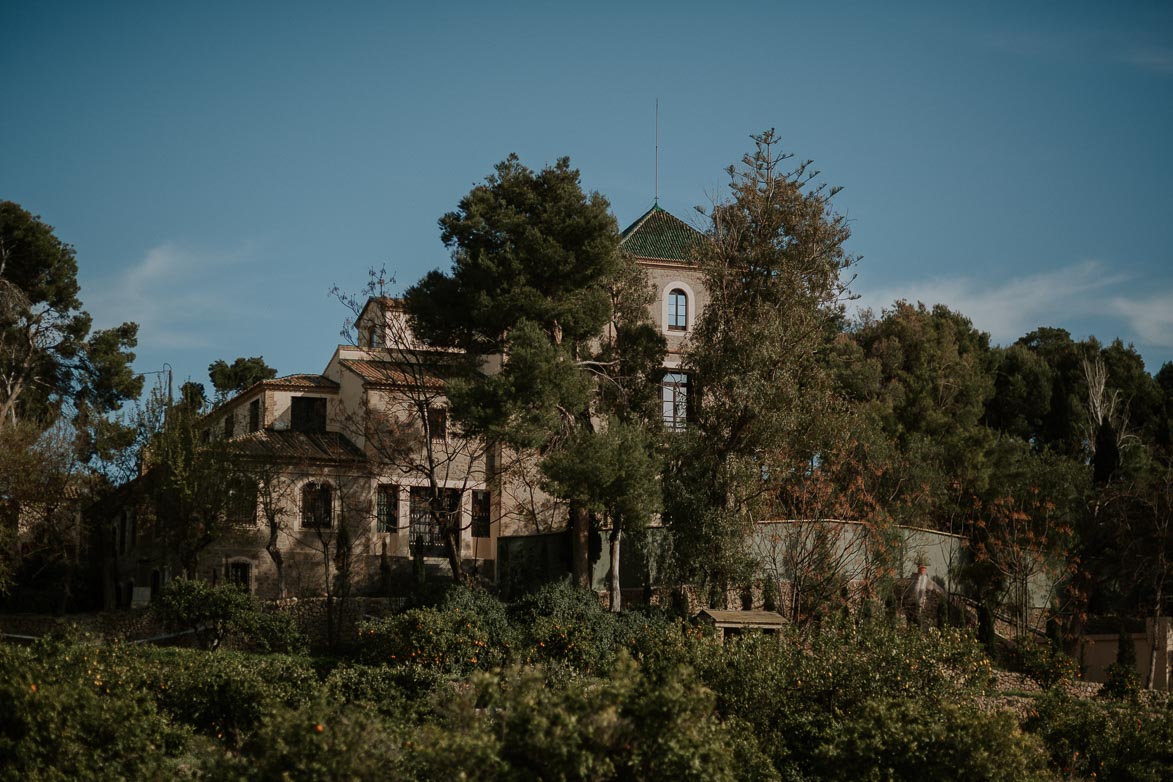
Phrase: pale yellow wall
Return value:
(663, 278)
(519, 505)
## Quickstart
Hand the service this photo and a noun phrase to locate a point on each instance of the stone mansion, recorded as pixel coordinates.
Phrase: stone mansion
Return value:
(322, 441)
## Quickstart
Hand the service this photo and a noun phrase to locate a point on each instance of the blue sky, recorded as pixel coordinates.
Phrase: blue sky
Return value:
(218, 166)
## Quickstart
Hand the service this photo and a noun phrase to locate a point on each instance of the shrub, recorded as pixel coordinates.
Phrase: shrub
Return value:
(770, 594)
(1042, 663)
(624, 726)
(1123, 678)
(376, 687)
(320, 740)
(490, 613)
(63, 717)
(272, 632)
(793, 690)
(450, 642)
(1123, 682)
(567, 626)
(211, 612)
(226, 695)
(659, 641)
(1105, 740)
(913, 739)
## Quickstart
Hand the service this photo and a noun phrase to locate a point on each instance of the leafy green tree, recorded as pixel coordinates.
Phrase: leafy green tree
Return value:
(614, 472)
(772, 261)
(1021, 529)
(1022, 395)
(210, 612)
(536, 269)
(229, 379)
(49, 359)
(1164, 429)
(191, 481)
(43, 532)
(935, 380)
(193, 396)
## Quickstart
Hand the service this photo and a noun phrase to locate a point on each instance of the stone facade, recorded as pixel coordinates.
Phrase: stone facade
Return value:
(335, 456)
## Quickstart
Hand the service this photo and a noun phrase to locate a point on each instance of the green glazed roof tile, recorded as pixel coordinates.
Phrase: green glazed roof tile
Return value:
(658, 234)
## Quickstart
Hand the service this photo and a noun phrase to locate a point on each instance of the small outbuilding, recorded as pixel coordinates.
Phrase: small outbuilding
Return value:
(737, 622)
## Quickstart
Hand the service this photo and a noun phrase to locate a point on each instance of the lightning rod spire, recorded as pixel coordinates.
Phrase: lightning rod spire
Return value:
(657, 199)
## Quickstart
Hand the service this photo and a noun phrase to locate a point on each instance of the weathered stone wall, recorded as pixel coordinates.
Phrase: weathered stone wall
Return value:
(121, 625)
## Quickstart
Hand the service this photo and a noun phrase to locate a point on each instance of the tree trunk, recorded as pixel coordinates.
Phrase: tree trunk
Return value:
(580, 542)
(278, 561)
(328, 586)
(1152, 673)
(616, 592)
(452, 549)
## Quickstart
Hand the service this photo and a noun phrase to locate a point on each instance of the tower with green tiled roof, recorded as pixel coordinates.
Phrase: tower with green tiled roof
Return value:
(659, 235)
(666, 248)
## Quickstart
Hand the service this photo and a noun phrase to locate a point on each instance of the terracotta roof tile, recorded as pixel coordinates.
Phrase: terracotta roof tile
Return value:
(395, 373)
(302, 381)
(290, 445)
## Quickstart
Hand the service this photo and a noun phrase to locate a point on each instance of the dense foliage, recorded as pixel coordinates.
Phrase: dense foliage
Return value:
(556, 687)
(538, 278)
(213, 613)
(1052, 458)
(60, 384)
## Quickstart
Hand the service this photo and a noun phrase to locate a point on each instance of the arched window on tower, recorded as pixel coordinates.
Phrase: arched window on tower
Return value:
(374, 337)
(677, 310)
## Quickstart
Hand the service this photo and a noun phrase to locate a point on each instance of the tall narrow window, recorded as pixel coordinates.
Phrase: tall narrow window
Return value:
(438, 423)
(317, 506)
(387, 507)
(241, 504)
(229, 425)
(674, 396)
(677, 310)
(481, 513)
(374, 337)
(254, 415)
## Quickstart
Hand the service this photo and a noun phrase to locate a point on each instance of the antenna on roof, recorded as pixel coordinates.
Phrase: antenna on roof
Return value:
(657, 201)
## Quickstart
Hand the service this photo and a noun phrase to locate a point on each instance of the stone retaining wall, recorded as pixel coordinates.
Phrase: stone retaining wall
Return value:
(121, 625)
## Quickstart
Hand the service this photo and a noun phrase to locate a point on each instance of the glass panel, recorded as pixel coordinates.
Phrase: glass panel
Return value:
(425, 535)
(317, 503)
(677, 310)
(674, 399)
(481, 513)
(387, 508)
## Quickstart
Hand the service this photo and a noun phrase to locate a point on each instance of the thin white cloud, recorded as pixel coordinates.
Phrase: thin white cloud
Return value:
(1151, 317)
(1009, 309)
(174, 293)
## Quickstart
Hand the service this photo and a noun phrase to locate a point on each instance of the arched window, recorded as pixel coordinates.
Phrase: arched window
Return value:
(374, 337)
(317, 506)
(677, 310)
